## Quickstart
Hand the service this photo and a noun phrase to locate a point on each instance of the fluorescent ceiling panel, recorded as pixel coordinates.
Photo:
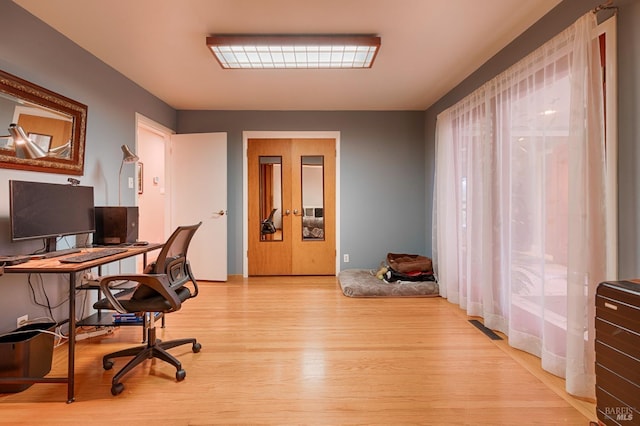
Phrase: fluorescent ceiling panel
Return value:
(294, 52)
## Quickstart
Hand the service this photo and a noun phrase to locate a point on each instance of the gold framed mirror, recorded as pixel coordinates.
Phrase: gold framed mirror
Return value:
(52, 125)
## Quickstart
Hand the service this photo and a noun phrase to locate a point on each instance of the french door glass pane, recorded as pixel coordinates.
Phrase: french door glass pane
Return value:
(312, 197)
(270, 198)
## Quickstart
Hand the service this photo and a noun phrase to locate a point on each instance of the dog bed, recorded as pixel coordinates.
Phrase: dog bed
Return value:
(363, 283)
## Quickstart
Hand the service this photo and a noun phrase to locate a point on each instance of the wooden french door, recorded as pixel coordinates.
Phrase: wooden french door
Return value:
(291, 185)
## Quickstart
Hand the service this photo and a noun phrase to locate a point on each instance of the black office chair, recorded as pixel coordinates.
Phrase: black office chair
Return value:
(161, 289)
(267, 226)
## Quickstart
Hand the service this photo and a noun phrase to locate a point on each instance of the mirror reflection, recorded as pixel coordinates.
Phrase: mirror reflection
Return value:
(40, 130)
(270, 198)
(49, 131)
(312, 197)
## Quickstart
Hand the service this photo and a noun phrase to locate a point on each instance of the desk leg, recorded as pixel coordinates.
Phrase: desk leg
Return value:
(72, 338)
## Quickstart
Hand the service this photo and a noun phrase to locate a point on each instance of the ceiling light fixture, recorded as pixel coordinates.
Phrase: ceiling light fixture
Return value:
(294, 51)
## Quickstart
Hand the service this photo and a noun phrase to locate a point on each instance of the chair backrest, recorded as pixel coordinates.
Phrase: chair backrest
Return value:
(172, 259)
(267, 226)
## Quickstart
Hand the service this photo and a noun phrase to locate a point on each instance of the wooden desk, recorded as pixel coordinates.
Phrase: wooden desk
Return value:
(54, 266)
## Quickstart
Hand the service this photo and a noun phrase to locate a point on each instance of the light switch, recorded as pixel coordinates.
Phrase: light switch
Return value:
(131, 183)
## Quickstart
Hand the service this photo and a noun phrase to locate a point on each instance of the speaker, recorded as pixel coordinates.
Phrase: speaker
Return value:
(116, 225)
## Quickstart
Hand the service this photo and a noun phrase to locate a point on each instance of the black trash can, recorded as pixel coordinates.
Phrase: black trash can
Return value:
(26, 354)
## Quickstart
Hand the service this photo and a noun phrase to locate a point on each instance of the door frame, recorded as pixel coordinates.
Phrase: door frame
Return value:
(246, 135)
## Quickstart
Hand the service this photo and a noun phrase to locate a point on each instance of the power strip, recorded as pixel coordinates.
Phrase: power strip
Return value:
(95, 333)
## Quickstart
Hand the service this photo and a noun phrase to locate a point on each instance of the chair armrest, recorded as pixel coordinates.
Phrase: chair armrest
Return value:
(192, 279)
(157, 282)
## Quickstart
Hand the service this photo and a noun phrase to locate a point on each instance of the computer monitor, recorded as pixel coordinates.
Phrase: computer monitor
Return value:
(49, 210)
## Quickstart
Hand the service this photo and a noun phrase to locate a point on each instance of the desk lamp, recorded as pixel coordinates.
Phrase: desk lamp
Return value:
(128, 157)
(24, 146)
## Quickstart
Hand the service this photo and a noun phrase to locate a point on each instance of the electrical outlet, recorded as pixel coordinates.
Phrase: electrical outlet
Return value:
(23, 320)
(345, 258)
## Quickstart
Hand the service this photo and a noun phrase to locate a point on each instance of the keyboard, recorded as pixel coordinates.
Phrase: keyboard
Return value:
(56, 253)
(13, 260)
(93, 255)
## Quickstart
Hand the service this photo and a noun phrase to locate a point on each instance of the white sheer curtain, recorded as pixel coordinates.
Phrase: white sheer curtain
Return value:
(519, 230)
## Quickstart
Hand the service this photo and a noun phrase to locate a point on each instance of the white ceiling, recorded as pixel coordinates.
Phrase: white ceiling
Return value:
(428, 47)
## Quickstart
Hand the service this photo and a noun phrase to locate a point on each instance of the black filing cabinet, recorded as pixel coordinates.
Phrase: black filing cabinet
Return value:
(618, 352)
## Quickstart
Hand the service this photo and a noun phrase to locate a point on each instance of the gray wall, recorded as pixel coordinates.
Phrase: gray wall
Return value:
(35, 52)
(628, 109)
(628, 134)
(382, 175)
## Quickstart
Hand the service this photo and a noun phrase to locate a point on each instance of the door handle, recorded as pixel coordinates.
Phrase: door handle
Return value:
(287, 212)
(297, 213)
(220, 213)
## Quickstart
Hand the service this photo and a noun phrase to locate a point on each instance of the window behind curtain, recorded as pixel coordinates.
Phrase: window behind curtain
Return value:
(519, 236)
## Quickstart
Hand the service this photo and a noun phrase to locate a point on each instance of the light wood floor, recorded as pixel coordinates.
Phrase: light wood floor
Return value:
(283, 351)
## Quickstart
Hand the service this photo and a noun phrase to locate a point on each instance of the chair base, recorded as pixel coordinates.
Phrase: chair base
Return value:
(154, 348)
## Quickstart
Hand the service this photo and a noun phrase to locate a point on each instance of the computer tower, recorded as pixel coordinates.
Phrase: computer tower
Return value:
(116, 225)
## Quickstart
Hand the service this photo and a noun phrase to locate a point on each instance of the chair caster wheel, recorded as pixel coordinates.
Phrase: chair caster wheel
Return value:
(107, 365)
(117, 389)
(180, 375)
(196, 347)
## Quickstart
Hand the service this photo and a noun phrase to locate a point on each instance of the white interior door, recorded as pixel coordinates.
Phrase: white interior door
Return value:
(198, 174)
